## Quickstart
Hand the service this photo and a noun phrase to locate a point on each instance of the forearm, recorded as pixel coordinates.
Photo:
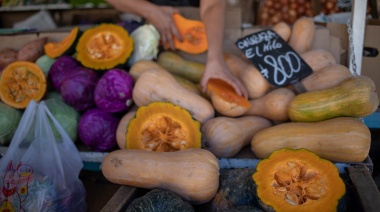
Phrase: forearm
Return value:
(140, 8)
(212, 14)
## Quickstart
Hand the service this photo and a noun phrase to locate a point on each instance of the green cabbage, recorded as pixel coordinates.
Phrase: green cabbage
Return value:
(146, 40)
(9, 120)
(66, 116)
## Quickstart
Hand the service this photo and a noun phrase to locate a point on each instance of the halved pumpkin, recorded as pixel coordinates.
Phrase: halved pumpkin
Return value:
(193, 33)
(104, 47)
(298, 180)
(64, 47)
(163, 127)
(20, 82)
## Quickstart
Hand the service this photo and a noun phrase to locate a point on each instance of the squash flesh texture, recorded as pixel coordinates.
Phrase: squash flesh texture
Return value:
(163, 127)
(21, 82)
(298, 180)
(57, 49)
(104, 47)
(225, 100)
(193, 33)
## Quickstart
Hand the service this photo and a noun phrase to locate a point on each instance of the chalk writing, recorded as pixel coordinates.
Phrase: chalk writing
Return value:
(276, 60)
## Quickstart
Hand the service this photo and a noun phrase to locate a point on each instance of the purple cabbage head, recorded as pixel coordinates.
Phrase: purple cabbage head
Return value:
(97, 130)
(77, 89)
(60, 69)
(113, 92)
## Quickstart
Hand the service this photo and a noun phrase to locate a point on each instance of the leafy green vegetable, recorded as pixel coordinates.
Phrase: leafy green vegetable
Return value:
(66, 116)
(9, 120)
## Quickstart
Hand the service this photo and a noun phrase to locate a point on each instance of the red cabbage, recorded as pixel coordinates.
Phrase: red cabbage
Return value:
(97, 130)
(59, 70)
(113, 92)
(77, 88)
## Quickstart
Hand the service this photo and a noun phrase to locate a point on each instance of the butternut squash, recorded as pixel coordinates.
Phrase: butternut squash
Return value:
(283, 30)
(273, 105)
(177, 65)
(341, 139)
(226, 136)
(143, 65)
(121, 130)
(326, 78)
(249, 75)
(355, 97)
(302, 34)
(160, 85)
(193, 174)
(317, 59)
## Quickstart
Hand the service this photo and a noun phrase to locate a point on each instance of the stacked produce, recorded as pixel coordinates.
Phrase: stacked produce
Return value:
(163, 133)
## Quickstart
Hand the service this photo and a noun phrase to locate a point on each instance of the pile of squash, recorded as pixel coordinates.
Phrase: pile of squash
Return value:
(297, 131)
(170, 139)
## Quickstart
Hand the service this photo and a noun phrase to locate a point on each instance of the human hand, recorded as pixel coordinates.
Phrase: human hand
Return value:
(219, 70)
(162, 20)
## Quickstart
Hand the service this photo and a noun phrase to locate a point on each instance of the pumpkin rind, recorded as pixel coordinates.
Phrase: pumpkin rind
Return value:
(104, 47)
(236, 190)
(298, 180)
(163, 127)
(65, 46)
(20, 82)
(193, 32)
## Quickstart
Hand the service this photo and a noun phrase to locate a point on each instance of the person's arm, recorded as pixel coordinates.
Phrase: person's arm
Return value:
(212, 14)
(161, 17)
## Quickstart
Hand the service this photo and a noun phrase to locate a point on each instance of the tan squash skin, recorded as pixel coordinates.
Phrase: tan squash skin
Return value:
(283, 30)
(355, 97)
(317, 59)
(160, 85)
(273, 105)
(326, 78)
(302, 34)
(122, 128)
(249, 75)
(193, 173)
(342, 139)
(144, 65)
(226, 136)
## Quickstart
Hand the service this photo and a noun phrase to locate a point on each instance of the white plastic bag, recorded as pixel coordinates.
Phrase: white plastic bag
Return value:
(40, 172)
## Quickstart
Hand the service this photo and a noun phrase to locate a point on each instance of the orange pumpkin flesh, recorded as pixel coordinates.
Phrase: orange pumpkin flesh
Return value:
(298, 180)
(104, 47)
(193, 32)
(163, 127)
(66, 46)
(20, 82)
(225, 99)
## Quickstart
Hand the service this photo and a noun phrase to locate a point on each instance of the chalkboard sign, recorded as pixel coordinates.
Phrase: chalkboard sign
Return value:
(274, 58)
